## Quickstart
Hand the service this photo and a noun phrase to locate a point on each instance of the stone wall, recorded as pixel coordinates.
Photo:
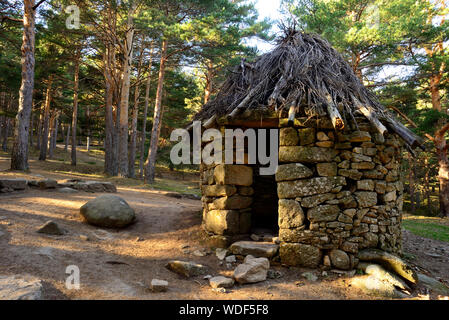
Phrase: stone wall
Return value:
(338, 193)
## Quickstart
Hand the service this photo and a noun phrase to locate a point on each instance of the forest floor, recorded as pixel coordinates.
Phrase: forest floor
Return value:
(120, 264)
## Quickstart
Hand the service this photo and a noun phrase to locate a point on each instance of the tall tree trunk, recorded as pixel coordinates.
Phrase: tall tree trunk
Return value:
(150, 164)
(44, 141)
(31, 129)
(67, 137)
(209, 82)
(39, 127)
(19, 154)
(145, 114)
(51, 134)
(441, 147)
(110, 72)
(124, 98)
(62, 127)
(88, 129)
(411, 183)
(6, 134)
(75, 105)
(135, 114)
(55, 140)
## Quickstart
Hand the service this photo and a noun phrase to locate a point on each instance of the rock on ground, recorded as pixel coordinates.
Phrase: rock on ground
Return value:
(186, 268)
(51, 228)
(158, 285)
(47, 184)
(108, 211)
(340, 259)
(433, 284)
(221, 253)
(383, 275)
(221, 282)
(67, 190)
(390, 261)
(252, 270)
(13, 184)
(372, 285)
(256, 249)
(20, 288)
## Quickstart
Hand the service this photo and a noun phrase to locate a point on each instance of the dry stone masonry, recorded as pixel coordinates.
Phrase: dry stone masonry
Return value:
(337, 193)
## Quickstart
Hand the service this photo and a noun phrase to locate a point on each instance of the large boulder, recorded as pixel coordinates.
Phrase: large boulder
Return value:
(20, 288)
(108, 211)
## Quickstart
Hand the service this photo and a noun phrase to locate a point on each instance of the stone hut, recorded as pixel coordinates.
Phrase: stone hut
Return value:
(337, 188)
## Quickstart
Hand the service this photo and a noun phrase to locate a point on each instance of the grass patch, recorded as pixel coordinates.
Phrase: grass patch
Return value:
(174, 186)
(427, 228)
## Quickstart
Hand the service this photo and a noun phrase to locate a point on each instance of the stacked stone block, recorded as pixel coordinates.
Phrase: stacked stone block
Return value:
(227, 200)
(338, 193)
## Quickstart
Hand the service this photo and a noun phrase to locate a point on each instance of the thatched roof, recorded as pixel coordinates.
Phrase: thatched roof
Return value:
(304, 75)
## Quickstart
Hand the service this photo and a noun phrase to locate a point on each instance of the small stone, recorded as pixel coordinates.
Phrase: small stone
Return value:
(159, 285)
(339, 259)
(254, 237)
(257, 249)
(366, 199)
(84, 237)
(219, 290)
(51, 228)
(290, 214)
(327, 261)
(321, 136)
(274, 274)
(187, 269)
(306, 136)
(47, 184)
(199, 253)
(359, 136)
(310, 276)
(292, 171)
(298, 254)
(363, 165)
(221, 253)
(325, 144)
(323, 213)
(327, 169)
(367, 185)
(252, 270)
(67, 190)
(288, 137)
(221, 282)
(230, 259)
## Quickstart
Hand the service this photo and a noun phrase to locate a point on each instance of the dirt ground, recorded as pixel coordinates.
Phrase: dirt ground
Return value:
(120, 264)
